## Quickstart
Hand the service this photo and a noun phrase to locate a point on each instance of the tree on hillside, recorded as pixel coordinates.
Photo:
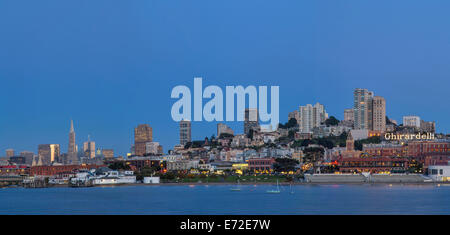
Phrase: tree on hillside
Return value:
(332, 121)
(119, 165)
(371, 140)
(285, 164)
(290, 124)
(313, 155)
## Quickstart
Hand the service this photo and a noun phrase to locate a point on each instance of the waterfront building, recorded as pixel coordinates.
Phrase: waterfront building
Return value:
(439, 173)
(385, 150)
(55, 170)
(48, 154)
(311, 116)
(261, 165)
(373, 165)
(435, 160)
(362, 109)
(220, 166)
(185, 132)
(428, 148)
(105, 176)
(379, 114)
(251, 120)
(411, 121)
(151, 180)
(182, 165)
(142, 134)
(239, 166)
(12, 170)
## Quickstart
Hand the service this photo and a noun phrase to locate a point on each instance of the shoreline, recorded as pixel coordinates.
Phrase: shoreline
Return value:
(244, 183)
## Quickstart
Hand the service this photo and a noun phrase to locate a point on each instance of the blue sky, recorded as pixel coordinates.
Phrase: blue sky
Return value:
(110, 65)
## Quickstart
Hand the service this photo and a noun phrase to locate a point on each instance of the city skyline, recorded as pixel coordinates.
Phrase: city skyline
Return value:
(142, 137)
(117, 73)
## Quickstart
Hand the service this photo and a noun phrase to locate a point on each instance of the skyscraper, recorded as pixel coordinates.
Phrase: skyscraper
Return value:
(362, 109)
(251, 120)
(185, 132)
(48, 153)
(142, 134)
(369, 111)
(72, 146)
(28, 157)
(311, 116)
(72, 156)
(379, 114)
(89, 148)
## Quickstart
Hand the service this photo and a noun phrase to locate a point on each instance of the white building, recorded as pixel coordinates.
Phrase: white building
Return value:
(151, 180)
(360, 134)
(411, 121)
(439, 173)
(152, 147)
(182, 165)
(311, 116)
(362, 108)
(114, 177)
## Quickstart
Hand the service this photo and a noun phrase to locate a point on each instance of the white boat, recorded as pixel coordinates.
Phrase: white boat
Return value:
(275, 191)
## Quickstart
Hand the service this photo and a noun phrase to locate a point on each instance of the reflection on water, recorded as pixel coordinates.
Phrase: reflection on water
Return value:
(218, 199)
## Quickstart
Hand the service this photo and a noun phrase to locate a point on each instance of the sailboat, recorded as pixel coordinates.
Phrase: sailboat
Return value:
(275, 191)
(292, 192)
(238, 188)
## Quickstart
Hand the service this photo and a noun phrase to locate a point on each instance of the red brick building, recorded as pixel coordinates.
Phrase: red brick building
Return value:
(425, 148)
(385, 150)
(14, 170)
(57, 170)
(260, 164)
(436, 160)
(416, 149)
(373, 164)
